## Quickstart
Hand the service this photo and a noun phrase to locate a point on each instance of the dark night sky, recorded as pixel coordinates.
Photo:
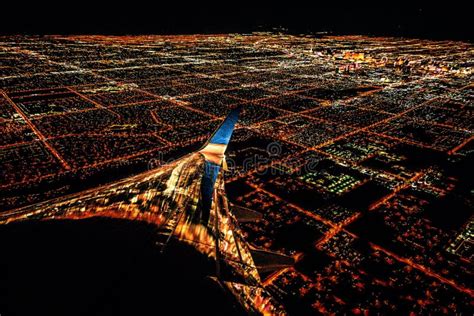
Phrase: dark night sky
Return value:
(449, 20)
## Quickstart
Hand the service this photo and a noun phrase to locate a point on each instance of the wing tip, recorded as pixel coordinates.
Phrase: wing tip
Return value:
(223, 133)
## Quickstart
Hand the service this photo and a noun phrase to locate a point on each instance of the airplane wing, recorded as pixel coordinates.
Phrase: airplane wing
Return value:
(186, 200)
(146, 193)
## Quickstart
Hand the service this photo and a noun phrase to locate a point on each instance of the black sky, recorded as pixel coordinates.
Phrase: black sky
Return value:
(448, 20)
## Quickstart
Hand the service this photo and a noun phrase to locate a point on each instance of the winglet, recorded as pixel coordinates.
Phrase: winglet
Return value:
(224, 132)
(215, 148)
(213, 152)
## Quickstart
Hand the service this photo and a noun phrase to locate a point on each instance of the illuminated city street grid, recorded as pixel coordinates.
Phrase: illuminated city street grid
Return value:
(354, 149)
